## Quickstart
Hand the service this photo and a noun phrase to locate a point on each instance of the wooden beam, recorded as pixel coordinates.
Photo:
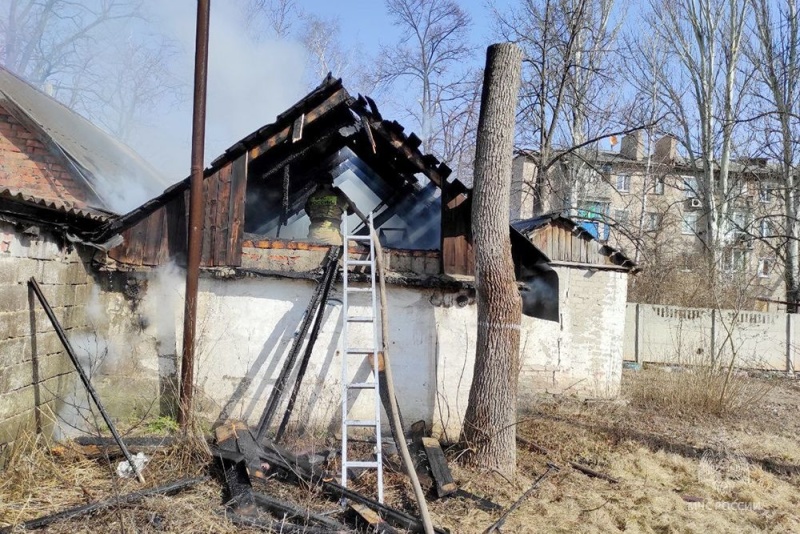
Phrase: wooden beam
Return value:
(327, 105)
(297, 128)
(445, 485)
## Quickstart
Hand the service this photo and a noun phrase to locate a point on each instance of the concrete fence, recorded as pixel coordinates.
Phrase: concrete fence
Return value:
(668, 334)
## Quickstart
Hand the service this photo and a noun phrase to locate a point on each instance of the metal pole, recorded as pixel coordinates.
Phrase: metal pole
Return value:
(195, 214)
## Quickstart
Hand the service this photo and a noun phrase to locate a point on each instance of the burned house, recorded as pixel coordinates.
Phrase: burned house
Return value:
(61, 178)
(260, 270)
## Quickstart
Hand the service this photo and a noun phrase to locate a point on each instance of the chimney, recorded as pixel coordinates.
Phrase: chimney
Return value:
(666, 149)
(633, 146)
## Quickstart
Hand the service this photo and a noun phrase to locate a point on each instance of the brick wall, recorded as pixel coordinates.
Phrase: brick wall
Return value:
(66, 282)
(27, 165)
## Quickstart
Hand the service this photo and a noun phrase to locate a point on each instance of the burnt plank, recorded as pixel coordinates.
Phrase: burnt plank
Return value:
(176, 228)
(236, 210)
(209, 217)
(220, 252)
(137, 236)
(285, 461)
(163, 252)
(237, 480)
(445, 485)
(235, 436)
(154, 237)
(417, 450)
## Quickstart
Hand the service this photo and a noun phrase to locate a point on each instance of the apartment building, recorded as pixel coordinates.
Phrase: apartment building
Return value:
(650, 204)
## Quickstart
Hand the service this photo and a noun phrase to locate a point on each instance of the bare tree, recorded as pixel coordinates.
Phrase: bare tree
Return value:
(430, 57)
(703, 40)
(73, 51)
(273, 18)
(568, 92)
(774, 51)
(489, 423)
(321, 38)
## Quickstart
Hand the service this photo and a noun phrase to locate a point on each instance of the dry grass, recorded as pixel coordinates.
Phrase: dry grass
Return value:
(697, 386)
(42, 478)
(627, 441)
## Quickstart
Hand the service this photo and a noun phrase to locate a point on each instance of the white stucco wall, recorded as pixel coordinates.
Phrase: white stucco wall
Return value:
(245, 328)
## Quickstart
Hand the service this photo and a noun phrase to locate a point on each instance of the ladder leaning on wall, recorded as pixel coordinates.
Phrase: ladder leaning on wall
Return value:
(356, 355)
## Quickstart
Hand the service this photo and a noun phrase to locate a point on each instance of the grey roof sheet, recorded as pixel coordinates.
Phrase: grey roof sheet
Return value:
(119, 178)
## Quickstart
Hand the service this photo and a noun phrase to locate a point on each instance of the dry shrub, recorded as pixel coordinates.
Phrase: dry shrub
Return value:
(698, 386)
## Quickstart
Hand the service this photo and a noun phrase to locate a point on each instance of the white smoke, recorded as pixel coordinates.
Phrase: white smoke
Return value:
(249, 82)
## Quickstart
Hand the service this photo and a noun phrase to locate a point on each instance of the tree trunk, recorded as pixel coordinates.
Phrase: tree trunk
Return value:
(489, 424)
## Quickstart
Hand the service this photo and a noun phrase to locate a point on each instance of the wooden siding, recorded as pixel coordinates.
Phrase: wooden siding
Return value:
(457, 254)
(161, 236)
(560, 243)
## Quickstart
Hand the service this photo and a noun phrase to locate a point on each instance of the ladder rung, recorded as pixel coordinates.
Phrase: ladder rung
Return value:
(360, 289)
(361, 351)
(359, 237)
(361, 422)
(359, 262)
(362, 464)
(361, 385)
(360, 319)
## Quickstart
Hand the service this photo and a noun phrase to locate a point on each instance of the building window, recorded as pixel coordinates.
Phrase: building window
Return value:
(623, 183)
(744, 188)
(739, 229)
(735, 260)
(658, 188)
(621, 216)
(765, 228)
(764, 267)
(765, 194)
(689, 223)
(690, 187)
(652, 221)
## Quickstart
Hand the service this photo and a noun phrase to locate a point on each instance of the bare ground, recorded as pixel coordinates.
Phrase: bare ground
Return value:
(677, 472)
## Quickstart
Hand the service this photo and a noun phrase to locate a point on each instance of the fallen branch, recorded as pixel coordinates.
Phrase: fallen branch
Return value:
(499, 523)
(531, 446)
(575, 465)
(592, 473)
(124, 500)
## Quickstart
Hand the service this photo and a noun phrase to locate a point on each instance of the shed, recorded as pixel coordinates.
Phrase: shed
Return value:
(593, 282)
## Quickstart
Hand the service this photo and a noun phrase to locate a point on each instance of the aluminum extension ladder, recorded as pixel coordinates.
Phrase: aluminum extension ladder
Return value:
(350, 354)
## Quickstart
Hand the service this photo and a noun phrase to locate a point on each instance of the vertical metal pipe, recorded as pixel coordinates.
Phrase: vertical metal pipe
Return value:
(195, 213)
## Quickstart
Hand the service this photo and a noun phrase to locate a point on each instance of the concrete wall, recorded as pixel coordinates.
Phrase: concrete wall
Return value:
(39, 387)
(246, 327)
(667, 334)
(130, 331)
(34, 370)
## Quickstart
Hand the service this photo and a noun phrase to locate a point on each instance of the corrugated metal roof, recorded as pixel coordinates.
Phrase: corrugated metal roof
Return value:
(63, 207)
(118, 177)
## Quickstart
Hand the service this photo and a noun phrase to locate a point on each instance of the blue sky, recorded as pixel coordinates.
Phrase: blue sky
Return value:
(367, 21)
